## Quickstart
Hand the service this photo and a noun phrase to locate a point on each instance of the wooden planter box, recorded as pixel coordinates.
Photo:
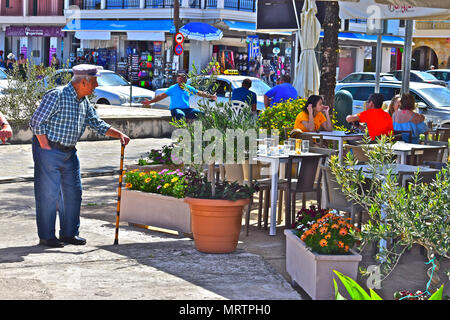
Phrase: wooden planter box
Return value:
(155, 210)
(314, 272)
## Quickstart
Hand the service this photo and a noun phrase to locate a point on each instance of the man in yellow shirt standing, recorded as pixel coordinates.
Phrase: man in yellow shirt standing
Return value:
(315, 117)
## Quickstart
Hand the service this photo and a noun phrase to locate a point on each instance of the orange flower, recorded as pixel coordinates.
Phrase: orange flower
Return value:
(343, 231)
(129, 186)
(314, 226)
(303, 237)
(323, 230)
(320, 220)
(328, 236)
(335, 226)
(340, 244)
(148, 180)
(323, 243)
(346, 248)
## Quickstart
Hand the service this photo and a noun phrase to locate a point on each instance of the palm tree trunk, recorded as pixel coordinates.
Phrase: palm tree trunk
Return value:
(330, 49)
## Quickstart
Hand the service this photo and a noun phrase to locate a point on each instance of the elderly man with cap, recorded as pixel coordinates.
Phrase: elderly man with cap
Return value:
(179, 94)
(57, 125)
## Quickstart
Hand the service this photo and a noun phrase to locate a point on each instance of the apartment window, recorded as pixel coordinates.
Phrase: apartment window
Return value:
(402, 23)
(7, 4)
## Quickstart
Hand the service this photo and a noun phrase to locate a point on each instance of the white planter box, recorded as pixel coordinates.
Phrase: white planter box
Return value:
(314, 272)
(155, 210)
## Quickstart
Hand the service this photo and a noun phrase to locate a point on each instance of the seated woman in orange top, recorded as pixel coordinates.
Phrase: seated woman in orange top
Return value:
(314, 117)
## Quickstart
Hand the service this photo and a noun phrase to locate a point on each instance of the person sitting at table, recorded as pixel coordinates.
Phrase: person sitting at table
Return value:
(405, 119)
(378, 121)
(314, 117)
(394, 105)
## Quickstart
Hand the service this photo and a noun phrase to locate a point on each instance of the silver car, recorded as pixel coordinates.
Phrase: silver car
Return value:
(112, 89)
(433, 101)
(441, 74)
(225, 85)
(367, 77)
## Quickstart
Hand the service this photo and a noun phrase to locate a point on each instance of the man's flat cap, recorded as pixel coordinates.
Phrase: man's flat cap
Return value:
(87, 70)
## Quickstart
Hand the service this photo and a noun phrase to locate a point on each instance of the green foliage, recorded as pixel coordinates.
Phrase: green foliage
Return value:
(416, 215)
(22, 96)
(166, 182)
(281, 115)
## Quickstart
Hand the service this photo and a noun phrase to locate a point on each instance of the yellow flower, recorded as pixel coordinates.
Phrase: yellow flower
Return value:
(174, 180)
(141, 174)
(129, 186)
(153, 172)
(148, 180)
(166, 186)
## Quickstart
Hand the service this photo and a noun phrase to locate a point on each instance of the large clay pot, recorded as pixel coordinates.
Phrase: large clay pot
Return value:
(216, 224)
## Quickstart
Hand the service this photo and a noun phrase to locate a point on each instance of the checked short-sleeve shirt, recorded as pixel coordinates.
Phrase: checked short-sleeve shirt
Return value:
(63, 118)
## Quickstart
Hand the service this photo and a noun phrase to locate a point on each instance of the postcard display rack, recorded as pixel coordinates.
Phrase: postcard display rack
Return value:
(145, 74)
(133, 68)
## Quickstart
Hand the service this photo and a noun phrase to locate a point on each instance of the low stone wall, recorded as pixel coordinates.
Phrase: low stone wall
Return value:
(134, 122)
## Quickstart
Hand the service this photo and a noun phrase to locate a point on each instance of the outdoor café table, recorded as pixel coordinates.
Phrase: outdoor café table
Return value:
(403, 149)
(339, 136)
(274, 167)
(395, 169)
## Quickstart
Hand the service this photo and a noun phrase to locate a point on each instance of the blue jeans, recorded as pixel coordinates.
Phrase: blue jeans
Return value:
(190, 113)
(57, 187)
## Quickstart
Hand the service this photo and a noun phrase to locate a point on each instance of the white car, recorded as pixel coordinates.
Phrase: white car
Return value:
(226, 85)
(112, 89)
(441, 74)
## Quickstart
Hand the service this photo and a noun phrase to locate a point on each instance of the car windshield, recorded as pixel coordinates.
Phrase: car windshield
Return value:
(259, 87)
(426, 76)
(439, 96)
(388, 78)
(3, 76)
(111, 79)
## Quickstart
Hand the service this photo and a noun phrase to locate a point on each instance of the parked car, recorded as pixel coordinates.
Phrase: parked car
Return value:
(420, 76)
(433, 101)
(112, 89)
(441, 74)
(367, 77)
(226, 84)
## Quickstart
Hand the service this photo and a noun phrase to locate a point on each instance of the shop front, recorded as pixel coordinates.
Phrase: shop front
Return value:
(36, 43)
(134, 49)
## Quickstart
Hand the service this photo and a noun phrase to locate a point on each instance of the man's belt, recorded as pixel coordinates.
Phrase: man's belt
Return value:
(59, 146)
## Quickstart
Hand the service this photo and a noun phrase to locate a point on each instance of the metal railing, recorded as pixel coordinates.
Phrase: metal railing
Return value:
(122, 4)
(241, 5)
(159, 3)
(209, 4)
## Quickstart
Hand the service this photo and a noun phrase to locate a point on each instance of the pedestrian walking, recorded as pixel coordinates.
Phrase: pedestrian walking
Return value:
(5, 129)
(57, 125)
(10, 62)
(22, 64)
(179, 94)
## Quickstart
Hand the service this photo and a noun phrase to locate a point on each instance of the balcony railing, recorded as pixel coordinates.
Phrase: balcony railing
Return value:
(160, 3)
(424, 25)
(209, 4)
(241, 5)
(122, 4)
(86, 4)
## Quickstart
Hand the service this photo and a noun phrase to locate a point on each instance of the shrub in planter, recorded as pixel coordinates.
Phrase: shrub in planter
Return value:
(312, 253)
(158, 156)
(306, 217)
(156, 199)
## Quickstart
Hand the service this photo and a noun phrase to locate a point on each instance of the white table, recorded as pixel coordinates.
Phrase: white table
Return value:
(339, 136)
(404, 149)
(274, 167)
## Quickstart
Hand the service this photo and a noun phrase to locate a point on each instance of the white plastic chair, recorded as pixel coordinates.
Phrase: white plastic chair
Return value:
(236, 107)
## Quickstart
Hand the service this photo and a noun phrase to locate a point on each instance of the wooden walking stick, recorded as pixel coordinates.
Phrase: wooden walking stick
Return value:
(119, 193)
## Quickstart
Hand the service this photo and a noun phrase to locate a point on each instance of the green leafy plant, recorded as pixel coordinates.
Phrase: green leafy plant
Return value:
(166, 182)
(158, 156)
(22, 95)
(281, 115)
(356, 292)
(417, 214)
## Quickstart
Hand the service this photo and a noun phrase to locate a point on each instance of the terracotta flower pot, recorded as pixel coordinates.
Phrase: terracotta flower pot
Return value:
(216, 224)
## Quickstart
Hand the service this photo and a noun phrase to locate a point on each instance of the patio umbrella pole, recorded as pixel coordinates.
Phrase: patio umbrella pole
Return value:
(119, 193)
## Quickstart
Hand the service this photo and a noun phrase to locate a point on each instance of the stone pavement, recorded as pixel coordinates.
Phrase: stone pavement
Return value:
(146, 264)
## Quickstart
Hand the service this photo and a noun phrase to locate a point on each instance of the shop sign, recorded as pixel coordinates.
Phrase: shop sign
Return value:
(157, 48)
(34, 32)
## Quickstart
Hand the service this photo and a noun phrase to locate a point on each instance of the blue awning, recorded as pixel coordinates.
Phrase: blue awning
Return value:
(165, 25)
(369, 38)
